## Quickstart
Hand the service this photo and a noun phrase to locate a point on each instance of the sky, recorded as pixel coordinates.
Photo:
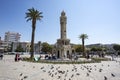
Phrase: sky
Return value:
(99, 19)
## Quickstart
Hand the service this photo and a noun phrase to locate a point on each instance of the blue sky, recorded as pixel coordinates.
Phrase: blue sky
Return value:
(99, 19)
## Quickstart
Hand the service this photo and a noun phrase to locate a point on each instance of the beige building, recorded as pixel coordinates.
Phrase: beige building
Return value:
(63, 49)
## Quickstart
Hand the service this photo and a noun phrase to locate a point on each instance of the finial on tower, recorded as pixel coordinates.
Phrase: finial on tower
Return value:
(63, 13)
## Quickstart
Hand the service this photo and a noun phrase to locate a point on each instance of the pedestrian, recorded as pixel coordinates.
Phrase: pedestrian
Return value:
(1, 56)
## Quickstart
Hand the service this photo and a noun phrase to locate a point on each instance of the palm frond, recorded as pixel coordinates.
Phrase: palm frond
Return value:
(33, 14)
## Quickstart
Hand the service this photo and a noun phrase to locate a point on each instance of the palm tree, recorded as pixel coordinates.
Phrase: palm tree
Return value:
(83, 37)
(33, 15)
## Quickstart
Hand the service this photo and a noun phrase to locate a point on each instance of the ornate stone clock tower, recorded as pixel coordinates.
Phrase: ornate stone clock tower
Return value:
(63, 48)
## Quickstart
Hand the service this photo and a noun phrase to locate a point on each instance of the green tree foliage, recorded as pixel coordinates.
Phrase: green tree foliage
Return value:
(96, 49)
(33, 15)
(116, 47)
(46, 47)
(78, 48)
(19, 49)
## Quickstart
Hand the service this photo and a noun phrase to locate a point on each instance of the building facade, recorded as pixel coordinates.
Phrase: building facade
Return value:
(12, 37)
(3, 45)
(24, 45)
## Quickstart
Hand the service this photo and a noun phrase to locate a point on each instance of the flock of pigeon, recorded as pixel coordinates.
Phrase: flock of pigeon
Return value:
(97, 71)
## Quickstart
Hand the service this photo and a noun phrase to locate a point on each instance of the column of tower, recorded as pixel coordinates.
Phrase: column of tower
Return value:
(63, 22)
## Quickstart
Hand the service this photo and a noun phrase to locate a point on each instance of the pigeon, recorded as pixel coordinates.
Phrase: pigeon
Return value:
(105, 78)
(72, 75)
(65, 75)
(59, 67)
(25, 77)
(90, 68)
(56, 73)
(52, 70)
(44, 70)
(21, 74)
(48, 71)
(72, 69)
(102, 64)
(112, 75)
(77, 74)
(63, 72)
(89, 71)
(83, 69)
(67, 70)
(87, 74)
(42, 67)
(51, 67)
(33, 66)
(100, 70)
(60, 71)
(59, 77)
(52, 75)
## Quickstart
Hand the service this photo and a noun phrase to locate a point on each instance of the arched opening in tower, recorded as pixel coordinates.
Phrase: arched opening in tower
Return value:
(68, 55)
(58, 54)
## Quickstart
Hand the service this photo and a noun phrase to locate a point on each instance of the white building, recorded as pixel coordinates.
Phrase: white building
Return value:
(9, 39)
(12, 37)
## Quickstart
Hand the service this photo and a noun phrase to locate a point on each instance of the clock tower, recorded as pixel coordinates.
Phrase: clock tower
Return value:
(63, 48)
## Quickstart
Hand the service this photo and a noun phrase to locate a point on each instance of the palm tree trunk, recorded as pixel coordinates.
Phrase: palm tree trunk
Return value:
(83, 46)
(32, 39)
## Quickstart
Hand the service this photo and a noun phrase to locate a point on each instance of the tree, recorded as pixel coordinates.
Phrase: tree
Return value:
(83, 37)
(96, 49)
(93, 49)
(78, 48)
(19, 49)
(33, 15)
(46, 47)
(116, 47)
